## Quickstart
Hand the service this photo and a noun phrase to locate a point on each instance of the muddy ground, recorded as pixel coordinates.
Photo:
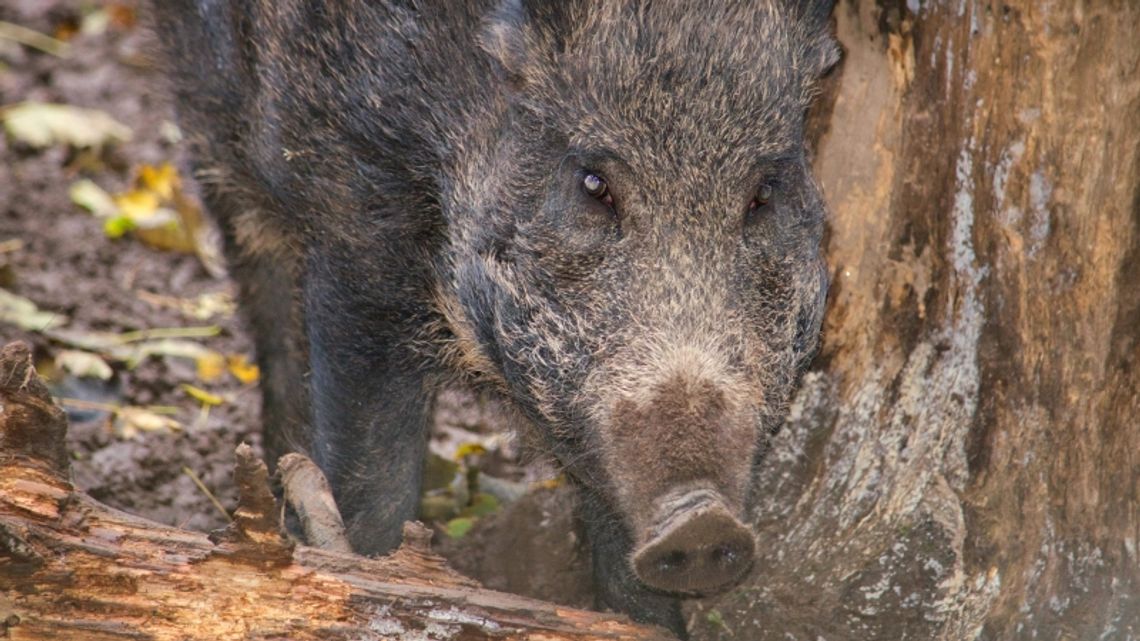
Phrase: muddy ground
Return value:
(64, 262)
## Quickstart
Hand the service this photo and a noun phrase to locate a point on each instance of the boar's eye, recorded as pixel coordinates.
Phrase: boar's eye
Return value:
(762, 198)
(595, 187)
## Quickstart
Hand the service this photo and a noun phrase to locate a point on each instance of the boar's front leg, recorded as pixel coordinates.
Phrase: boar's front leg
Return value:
(616, 588)
(266, 272)
(369, 395)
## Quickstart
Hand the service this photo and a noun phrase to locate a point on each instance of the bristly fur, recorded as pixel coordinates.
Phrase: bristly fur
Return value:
(400, 188)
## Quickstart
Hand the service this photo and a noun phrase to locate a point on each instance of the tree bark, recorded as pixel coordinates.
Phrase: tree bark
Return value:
(72, 568)
(965, 461)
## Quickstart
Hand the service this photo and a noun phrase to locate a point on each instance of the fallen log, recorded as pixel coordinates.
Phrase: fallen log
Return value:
(73, 568)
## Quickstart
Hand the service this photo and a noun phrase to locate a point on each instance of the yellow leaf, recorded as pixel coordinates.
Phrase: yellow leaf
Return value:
(162, 180)
(173, 220)
(130, 421)
(211, 366)
(137, 204)
(157, 212)
(242, 369)
(201, 395)
(551, 484)
(469, 449)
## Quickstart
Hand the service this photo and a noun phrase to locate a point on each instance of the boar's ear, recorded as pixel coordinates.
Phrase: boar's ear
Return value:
(523, 35)
(504, 37)
(816, 13)
(825, 54)
(815, 16)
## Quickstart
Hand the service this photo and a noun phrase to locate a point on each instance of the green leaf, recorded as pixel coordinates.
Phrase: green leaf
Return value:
(118, 226)
(481, 505)
(714, 618)
(459, 527)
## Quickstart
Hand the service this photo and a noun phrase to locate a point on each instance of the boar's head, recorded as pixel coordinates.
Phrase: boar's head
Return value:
(642, 273)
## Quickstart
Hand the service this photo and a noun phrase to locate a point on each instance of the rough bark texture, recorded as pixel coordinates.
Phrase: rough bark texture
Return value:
(72, 568)
(965, 463)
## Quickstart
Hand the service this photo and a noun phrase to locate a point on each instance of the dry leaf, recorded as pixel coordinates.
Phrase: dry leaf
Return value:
(169, 133)
(83, 364)
(93, 198)
(129, 347)
(123, 15)
(203, 307)
(23, 313)
(11, 32)
(164, 230)
(163, 217)
(95, 23)
(211, 366)
(131, 421)
(137, 204)
(44, 124)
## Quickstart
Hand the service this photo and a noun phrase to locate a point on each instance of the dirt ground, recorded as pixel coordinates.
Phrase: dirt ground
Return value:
(66, 264)
(59, 256)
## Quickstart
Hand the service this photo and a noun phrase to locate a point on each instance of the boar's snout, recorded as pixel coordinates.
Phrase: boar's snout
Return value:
(678, 447)
(696, 548)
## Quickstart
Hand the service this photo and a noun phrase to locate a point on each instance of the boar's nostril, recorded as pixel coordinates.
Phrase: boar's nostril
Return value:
(702, 550)
(673, 561)
(724, 555)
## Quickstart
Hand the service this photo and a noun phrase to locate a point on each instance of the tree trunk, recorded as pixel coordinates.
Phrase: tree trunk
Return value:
(965, 462)
(74, 569)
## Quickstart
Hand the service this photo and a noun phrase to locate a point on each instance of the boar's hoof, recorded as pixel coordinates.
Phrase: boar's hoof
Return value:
(697, 552)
